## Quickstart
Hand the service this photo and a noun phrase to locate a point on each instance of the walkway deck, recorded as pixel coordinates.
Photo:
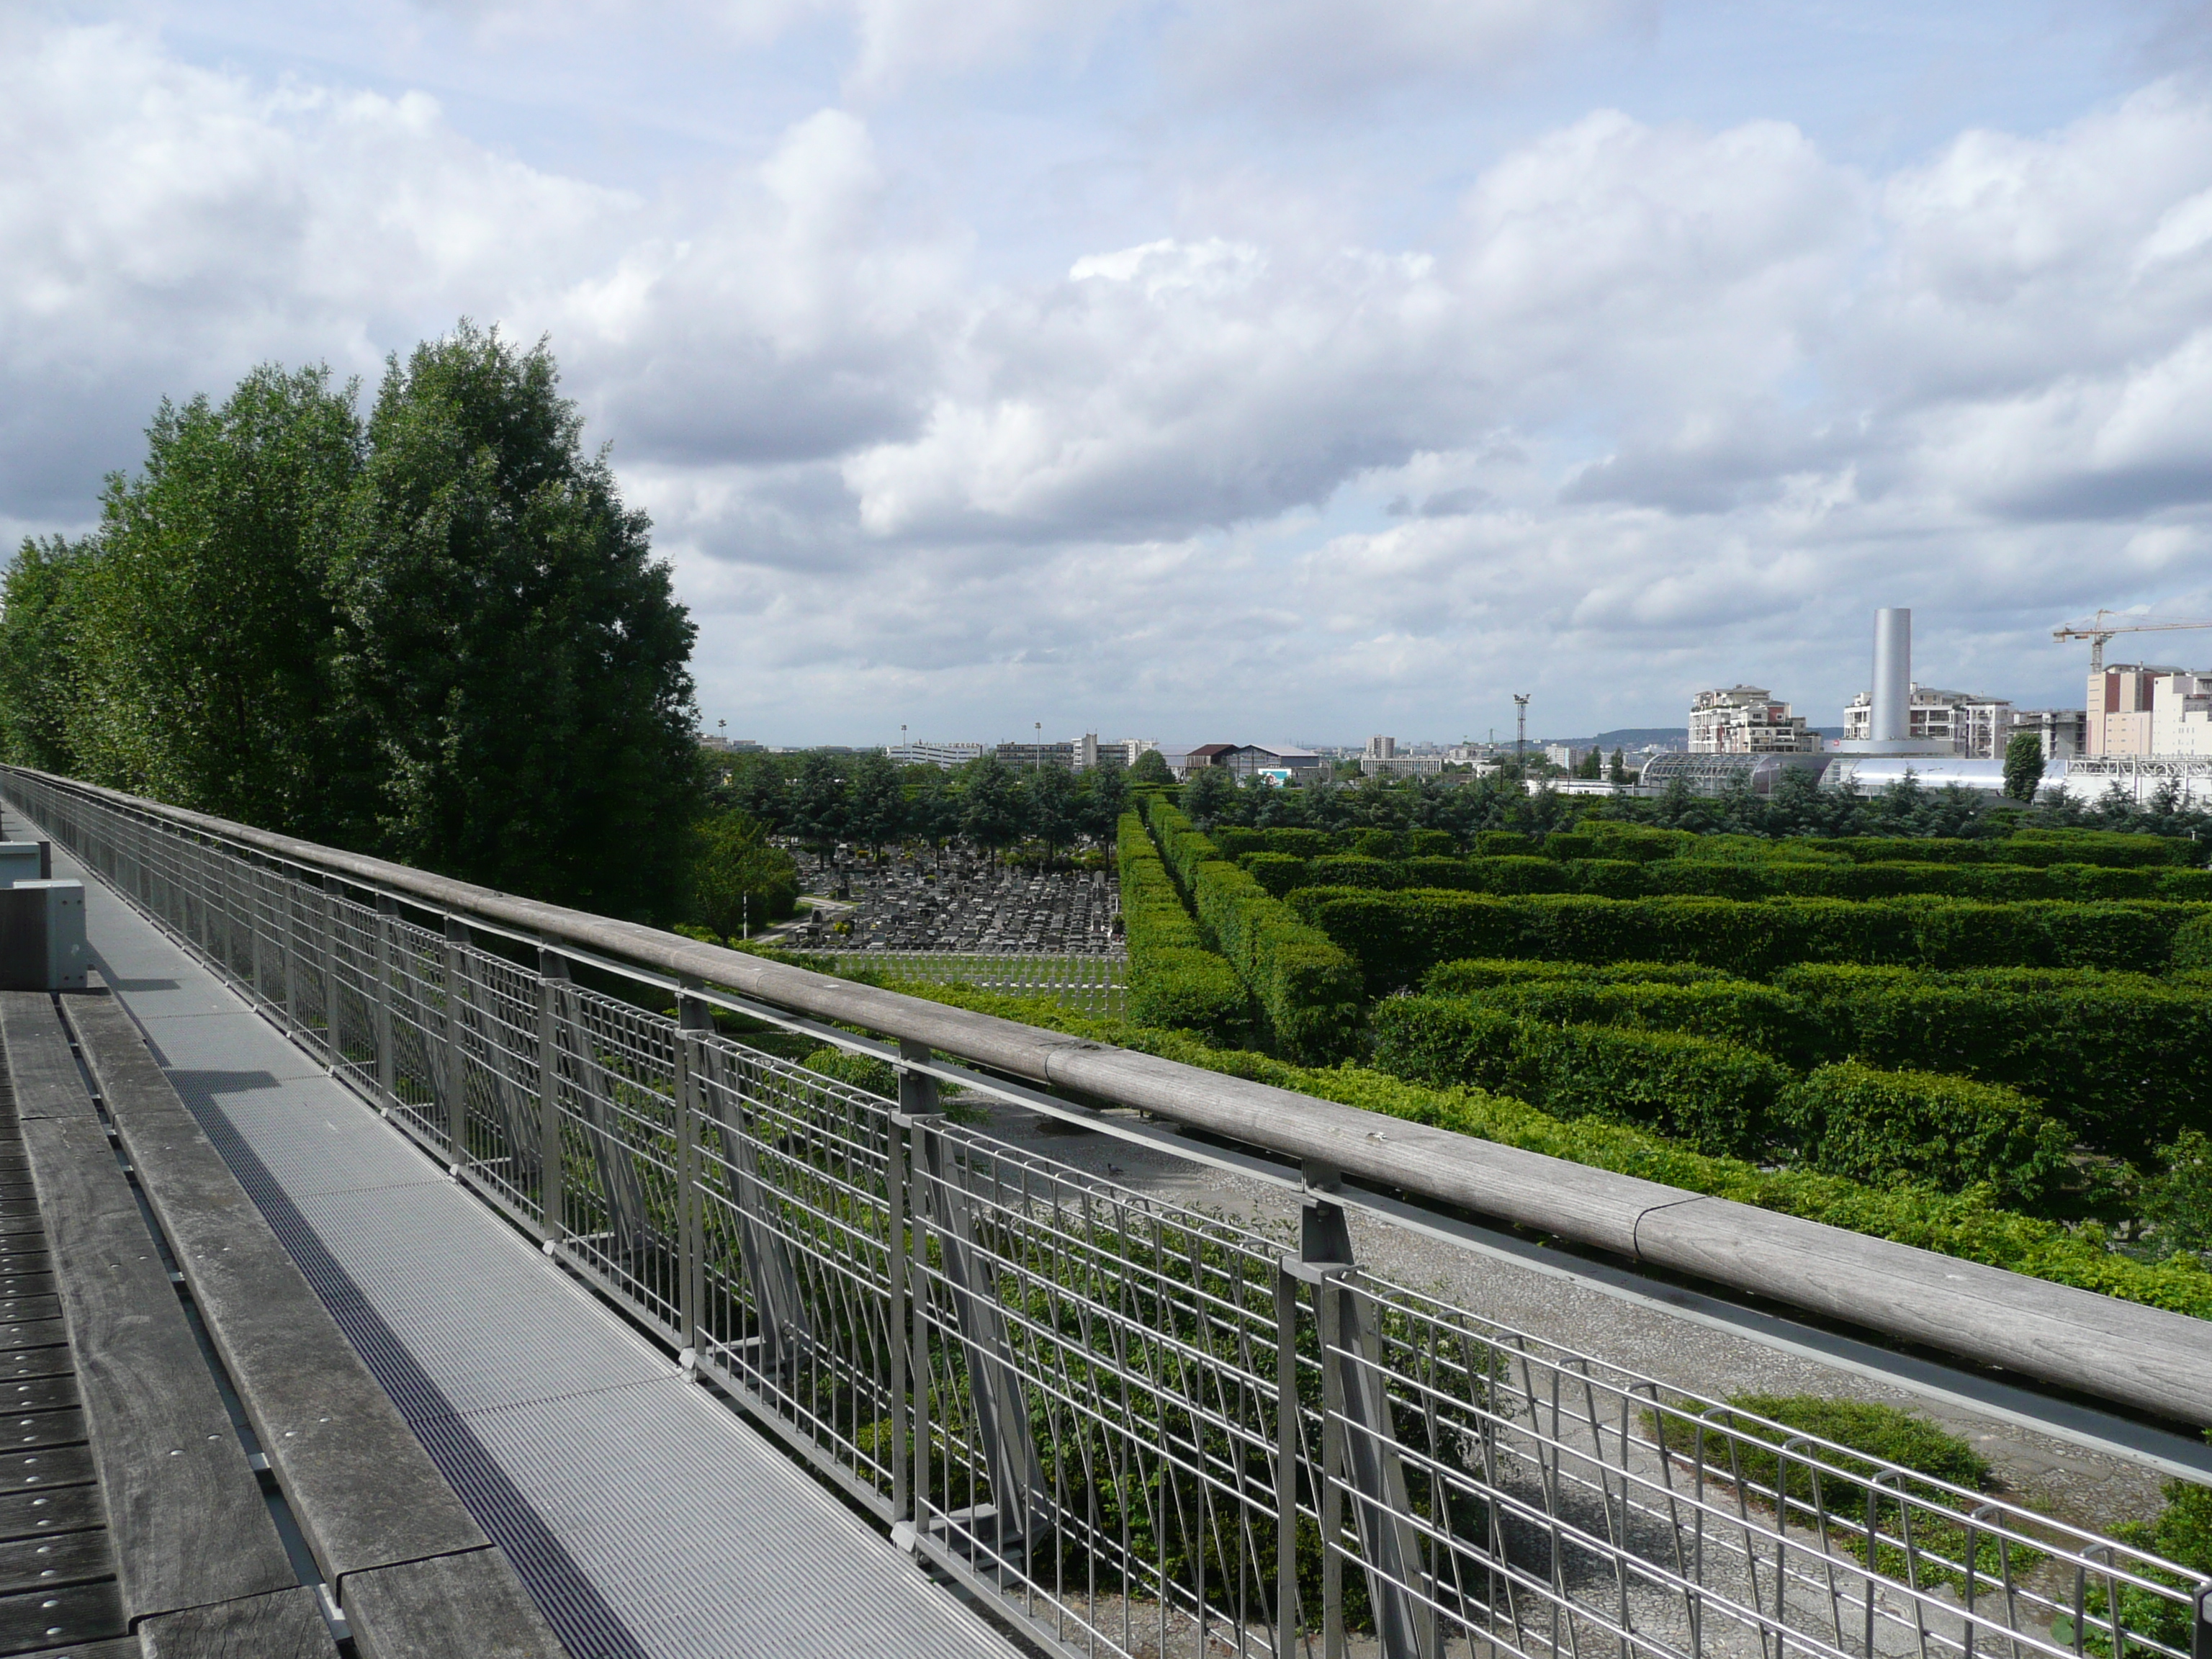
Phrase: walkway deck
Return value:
(647, 1521)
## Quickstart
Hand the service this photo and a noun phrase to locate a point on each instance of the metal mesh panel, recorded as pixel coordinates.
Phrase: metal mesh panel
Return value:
(1141, 1428)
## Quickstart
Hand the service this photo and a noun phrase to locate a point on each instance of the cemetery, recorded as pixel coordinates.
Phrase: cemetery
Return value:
(967, 904)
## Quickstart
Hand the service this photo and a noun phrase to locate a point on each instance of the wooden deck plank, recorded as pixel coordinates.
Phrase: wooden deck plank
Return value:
(365, 1492)
(454, 1604)
(69, 1558)
(41, 1514)
(78, 1613)
(41, 1070)
(191, 1527)
(285, 1625)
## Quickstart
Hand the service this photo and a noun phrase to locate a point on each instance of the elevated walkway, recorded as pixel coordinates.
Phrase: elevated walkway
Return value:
(646, 1519)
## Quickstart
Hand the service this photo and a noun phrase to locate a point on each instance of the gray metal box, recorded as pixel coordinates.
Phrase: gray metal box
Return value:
(25, 861)
(42, 944)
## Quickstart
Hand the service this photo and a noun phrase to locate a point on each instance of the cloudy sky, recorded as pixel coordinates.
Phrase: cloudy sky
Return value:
(1205, 369)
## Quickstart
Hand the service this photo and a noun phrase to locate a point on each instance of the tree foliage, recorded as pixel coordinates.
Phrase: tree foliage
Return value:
(439, 636)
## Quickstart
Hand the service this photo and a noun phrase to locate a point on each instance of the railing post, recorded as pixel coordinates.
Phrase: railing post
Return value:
(693, 1018)
(326, 961)
(1287, 1619)
(1358, 1445)
(552, 1186)
(379, 1006)
(917, 1094)
(254, 885)
(457, 1076)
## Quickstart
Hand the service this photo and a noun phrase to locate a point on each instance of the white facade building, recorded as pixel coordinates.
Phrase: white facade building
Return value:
(947, 755)
(1957, 723)
(1745, 719)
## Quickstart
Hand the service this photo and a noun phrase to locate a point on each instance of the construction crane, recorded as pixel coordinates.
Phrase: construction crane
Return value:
(2097, 630)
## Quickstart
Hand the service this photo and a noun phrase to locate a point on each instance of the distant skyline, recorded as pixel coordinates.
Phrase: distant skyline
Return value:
(1160, 367)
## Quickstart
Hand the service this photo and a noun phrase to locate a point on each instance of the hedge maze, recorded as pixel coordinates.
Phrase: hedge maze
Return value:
(2016, 1024)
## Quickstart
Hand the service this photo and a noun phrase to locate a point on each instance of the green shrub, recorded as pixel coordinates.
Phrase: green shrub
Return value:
(1503, 844)
(1357, 870)
(1603, 877)
(2116, 1057)
(1519, 873)
(2105, 847)
(1430, 844)
(2181, 1532)
(1718, 1096)
(1570, 844)
(1278, 872)
(1948, 1132)
(1175, 982)
(1734, 1011)
(1396, 937)
(1457, 873)
(1299, 843)
(862, 1072)
(1235, 843)
(1967, 1225)
(1478, 973)
(2192, 943)
(1306, 986)
(1640, 843)
(1895, 1436)
(1372, 843)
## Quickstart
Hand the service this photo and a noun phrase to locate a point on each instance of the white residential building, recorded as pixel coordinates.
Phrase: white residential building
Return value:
(947, 755)
(2181, 716)
(1957, 723)
(1745, 719)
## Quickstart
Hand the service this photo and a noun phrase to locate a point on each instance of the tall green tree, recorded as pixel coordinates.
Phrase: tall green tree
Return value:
(206, 624)
(875, 801)
(41, 639)
(1152, 768)
(1051, 809)
(512, 650)
(1210, 795)
(2023, 765)
(990, 802)
(738, 880)
(817, 805)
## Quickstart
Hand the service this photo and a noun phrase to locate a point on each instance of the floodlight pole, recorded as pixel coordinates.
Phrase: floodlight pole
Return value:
(1521, 733)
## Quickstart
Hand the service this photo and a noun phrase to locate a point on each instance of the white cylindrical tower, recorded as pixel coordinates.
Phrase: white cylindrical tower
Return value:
(1890, 718)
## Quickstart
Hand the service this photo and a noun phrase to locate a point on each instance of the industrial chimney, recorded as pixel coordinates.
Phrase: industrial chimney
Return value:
(1891, 718)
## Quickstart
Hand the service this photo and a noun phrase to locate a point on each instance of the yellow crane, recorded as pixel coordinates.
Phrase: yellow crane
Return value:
(2097, 630)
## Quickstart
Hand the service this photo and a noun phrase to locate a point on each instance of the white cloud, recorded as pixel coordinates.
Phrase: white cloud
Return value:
(1640, 402)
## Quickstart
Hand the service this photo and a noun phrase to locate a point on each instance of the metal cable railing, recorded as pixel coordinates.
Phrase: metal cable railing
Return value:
(1140, 1429)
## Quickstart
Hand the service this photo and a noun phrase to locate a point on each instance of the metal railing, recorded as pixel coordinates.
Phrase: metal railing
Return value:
(1089, 983)
(1139, 1428)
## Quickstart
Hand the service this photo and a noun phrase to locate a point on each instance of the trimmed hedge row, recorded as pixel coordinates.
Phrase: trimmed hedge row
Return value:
(1875, 1125)
(1967, 1225)
(1479, 974)
(1307, 988)
(1396, 937)
(1732, 1010)
(1235, 843)
(2119, 1057)
(1731, 879)
(1719, 1097)
(1175, 982)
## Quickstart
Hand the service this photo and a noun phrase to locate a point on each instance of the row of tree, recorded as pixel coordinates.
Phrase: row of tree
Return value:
(822, 800)
(437, 635)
